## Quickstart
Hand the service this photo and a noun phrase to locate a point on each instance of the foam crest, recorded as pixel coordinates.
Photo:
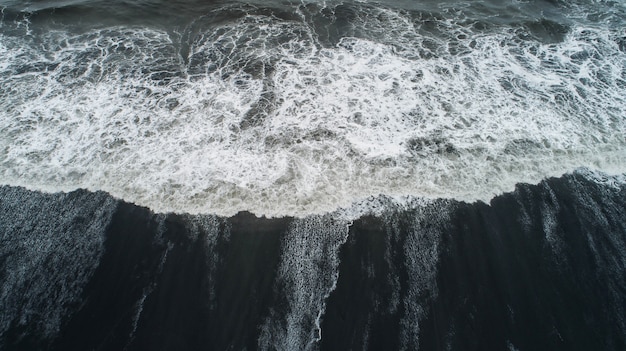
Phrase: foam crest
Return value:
(256, 114)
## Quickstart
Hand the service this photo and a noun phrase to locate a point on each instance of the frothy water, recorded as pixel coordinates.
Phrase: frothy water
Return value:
(306, 112)
(308, 274)
(46, 238)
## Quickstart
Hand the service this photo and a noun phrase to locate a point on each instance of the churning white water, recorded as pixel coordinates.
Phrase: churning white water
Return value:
(259, 114)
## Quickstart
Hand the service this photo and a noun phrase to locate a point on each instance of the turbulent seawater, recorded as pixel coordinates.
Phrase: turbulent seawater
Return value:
(308, 175)
(300, 108)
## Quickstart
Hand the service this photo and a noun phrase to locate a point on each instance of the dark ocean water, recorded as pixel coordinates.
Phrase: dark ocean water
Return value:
(313, 175)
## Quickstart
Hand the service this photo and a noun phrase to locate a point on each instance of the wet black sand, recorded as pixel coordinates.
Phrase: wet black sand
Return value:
(542, 268)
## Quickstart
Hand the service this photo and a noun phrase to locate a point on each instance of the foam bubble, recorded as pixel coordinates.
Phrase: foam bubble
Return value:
(257, 114)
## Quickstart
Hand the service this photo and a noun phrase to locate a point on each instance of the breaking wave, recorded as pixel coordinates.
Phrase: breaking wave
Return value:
(303, 112)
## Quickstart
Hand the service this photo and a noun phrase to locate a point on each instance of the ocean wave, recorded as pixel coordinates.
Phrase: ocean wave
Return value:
(279, 116)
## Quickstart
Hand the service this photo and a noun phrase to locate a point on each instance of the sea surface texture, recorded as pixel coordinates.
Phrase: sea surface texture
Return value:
(313, 175)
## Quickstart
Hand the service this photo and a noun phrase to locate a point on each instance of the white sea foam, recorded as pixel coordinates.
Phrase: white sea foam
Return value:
(308, 272)
(257, 115)
(51, 246)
